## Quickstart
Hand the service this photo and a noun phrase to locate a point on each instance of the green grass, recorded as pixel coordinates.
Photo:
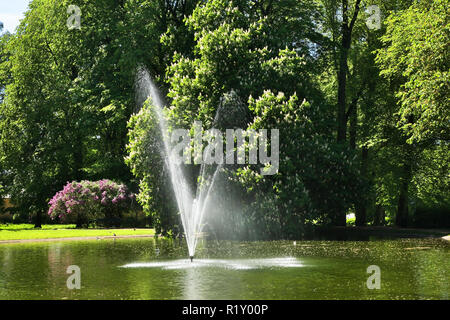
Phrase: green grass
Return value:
(27, 231)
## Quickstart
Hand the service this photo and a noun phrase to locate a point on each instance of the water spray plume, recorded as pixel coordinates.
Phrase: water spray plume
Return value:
(192, 206)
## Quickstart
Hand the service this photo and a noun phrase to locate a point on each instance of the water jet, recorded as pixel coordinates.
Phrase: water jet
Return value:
(191, 206)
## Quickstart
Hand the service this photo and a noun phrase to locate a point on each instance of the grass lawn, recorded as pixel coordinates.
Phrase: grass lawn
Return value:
(27, 231)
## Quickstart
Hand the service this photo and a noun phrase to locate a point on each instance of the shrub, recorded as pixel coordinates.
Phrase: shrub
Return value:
(82, 202)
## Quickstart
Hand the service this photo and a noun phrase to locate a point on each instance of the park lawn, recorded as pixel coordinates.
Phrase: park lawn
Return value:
(26, 232)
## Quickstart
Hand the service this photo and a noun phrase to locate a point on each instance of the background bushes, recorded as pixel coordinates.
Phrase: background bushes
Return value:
(100, 202)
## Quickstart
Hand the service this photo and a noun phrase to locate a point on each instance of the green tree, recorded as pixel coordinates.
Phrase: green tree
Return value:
(39, 128)
(416, 55)
(70, 93)
(147, 164)
(414, 59)
(242, 50)
(317, 178)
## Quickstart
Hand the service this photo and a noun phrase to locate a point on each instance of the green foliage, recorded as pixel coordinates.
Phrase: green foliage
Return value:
(70, 93)
(243, 46)
(416, 53)
(432, 177)
(147, 164)
(68, 105)
(317, 178)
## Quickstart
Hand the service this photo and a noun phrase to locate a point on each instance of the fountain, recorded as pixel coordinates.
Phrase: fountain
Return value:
(191, 206)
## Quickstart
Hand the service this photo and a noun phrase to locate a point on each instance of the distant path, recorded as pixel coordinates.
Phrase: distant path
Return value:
(446, 238)
(77, 238)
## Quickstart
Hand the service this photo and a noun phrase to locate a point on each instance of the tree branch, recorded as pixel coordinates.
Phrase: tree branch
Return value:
(51, 53)
(354, 102)
(355, 15)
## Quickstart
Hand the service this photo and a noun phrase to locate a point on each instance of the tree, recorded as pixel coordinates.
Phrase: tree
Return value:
(70, 93)
(317, 178)
(36, 116)
(415, 61)
(242, 50)
(147, 164)
(416, 54)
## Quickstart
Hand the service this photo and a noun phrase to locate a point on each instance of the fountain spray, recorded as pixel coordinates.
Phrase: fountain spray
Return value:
(191, 206)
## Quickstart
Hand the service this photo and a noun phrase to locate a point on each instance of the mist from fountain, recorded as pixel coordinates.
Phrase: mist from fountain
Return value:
(191, 206)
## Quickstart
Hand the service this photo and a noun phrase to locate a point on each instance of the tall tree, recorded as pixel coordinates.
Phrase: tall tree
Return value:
(416, 54)
(347, 26)
(71, 91)
(415, 59)
(264, 54)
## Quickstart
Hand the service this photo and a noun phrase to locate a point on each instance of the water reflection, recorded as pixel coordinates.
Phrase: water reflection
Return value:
(135, 269)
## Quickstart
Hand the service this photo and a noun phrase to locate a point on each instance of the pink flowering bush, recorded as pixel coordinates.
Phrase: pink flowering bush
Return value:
(82, 202)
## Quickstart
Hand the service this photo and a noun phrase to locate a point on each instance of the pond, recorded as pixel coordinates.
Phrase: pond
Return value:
(160, 269)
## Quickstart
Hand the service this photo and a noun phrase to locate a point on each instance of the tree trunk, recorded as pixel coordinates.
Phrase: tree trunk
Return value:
(346, 40)
(38, 221)
(342, 85)
(79, 222)
(360, 214)
(361, 207)
(353, 124)
(378, 219)
(401, 219)
(340, 219)
(78, 163)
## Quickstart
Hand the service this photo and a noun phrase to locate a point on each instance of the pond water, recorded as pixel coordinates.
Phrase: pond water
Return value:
(160, 269)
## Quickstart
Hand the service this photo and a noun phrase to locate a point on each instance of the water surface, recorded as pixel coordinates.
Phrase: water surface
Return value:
(159, 269)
